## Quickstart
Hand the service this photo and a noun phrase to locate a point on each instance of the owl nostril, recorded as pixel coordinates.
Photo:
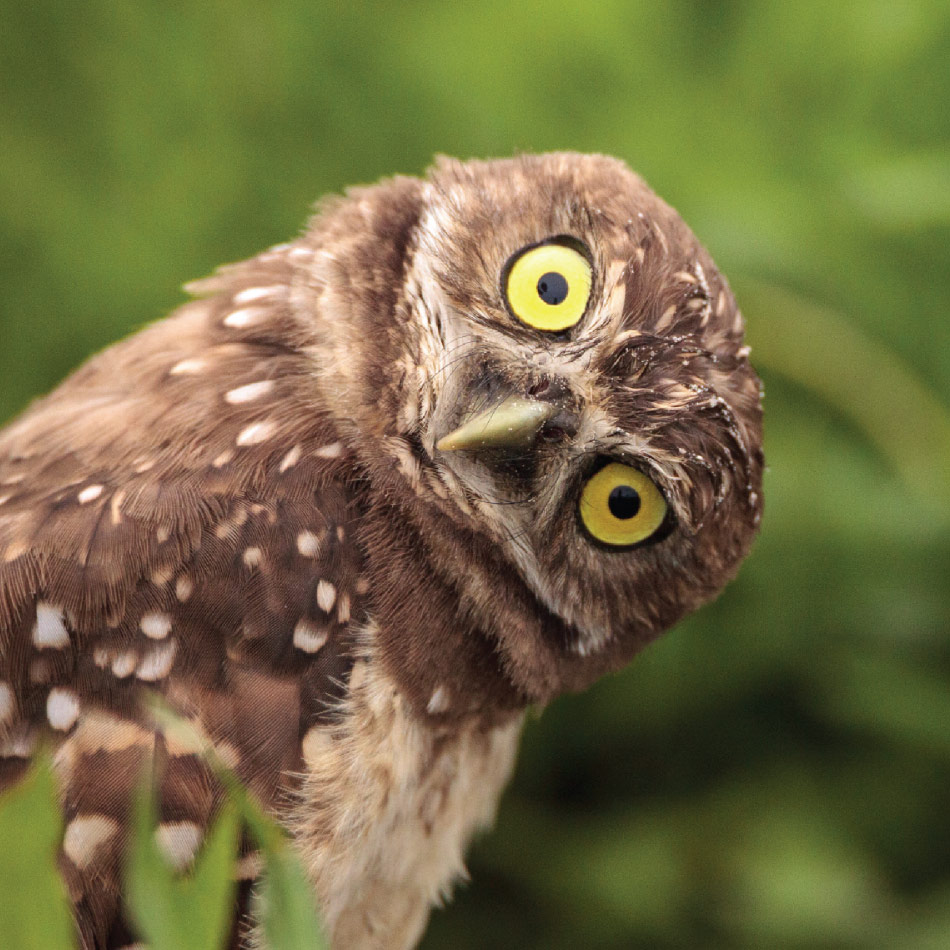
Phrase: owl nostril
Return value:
(541, 386)
(552, 434)
(562, 426)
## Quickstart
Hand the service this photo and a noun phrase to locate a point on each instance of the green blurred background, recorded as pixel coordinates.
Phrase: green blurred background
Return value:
(775, 772)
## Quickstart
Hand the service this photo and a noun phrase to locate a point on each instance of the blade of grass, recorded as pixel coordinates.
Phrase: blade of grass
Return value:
(34, 911)
(182, 912)
(287, 909)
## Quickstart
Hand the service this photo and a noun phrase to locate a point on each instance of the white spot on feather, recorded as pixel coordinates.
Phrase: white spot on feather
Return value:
(14, 551)
(290, 459)
(162, 575)
(326, 596)
(308, 636)
(256, 433)
(90, 493)
(343, 608)
(156, 625)
(188, 367)
(124, 664)
(184, 588)
(157, 663)
(20, 745)
(50, 630)
(229, 754)
(6, 702)
(249, 867)
(258, 293)
(249, 392)
(178, 841)
(332, 451)
(438, 701)
(666, 318)
(62, 708)
(103, 732)
(308, 544)
(253, 557)
(245, 317)
(85, 835)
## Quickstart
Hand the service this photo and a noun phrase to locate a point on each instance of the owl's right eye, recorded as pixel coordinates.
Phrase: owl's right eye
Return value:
(547, 286)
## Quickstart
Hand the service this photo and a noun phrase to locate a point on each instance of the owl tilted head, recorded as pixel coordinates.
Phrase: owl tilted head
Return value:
(544, 378)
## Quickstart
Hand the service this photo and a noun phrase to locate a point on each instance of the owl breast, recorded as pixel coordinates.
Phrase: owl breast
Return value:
(387, 807)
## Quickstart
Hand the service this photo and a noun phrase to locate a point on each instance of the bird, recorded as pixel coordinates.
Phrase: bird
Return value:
(471, 441)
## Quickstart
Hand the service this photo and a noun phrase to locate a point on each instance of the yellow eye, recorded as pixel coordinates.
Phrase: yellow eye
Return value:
(620, 506)
(548, 285)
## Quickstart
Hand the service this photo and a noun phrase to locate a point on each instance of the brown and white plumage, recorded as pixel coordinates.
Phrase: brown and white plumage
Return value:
(244, 508)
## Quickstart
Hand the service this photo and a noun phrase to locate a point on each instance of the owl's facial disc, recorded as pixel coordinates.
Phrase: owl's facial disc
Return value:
(583, 397)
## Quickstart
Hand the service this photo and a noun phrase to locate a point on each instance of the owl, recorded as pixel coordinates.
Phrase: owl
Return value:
(470, 442)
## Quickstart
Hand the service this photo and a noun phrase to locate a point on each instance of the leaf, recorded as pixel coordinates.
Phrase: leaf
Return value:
(34, 911)
(286, 906)
(182, 912)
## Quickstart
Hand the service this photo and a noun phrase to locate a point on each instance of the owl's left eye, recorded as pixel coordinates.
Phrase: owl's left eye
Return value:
(620, 506)
(547, 286)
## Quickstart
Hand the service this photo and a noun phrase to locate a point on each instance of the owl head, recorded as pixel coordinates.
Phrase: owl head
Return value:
(552, 399)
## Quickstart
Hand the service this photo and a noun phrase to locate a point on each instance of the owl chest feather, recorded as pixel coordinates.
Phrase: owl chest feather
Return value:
(387, 807)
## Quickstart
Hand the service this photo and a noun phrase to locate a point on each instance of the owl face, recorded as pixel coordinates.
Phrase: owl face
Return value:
(572, 387)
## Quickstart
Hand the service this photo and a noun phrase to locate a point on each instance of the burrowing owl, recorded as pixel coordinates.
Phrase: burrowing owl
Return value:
(470, 442)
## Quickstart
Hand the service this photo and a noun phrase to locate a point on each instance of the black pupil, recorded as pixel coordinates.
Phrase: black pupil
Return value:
(623, 502)
(552, 287)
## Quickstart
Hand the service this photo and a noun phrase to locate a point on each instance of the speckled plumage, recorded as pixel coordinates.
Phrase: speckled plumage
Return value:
(243, 508)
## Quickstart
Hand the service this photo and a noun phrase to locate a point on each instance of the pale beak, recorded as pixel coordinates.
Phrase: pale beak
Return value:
(513, 423)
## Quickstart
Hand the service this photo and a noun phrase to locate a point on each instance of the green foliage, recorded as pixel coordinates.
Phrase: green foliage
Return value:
(285, 901)
(172, 911)
(182, 912)
(194, 911)
(34, 911)
(773, 773)
(288, 916)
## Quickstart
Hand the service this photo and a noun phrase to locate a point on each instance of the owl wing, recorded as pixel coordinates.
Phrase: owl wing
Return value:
(174, 518)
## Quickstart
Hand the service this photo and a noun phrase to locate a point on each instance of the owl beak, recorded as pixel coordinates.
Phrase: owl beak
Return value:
(513, 423)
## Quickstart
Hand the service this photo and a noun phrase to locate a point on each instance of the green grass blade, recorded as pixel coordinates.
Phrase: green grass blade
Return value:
(286, 904)
(34, 910)
(182, 912)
